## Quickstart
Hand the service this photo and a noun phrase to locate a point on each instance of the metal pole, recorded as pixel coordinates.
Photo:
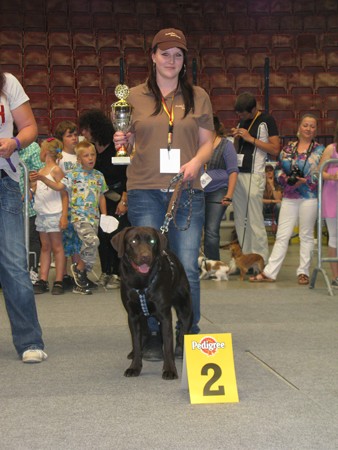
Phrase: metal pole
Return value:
(320, 259)
(25, 208)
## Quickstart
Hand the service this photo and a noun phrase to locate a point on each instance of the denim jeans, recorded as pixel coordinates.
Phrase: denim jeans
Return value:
(149, 207)
(14, 276)
(213, 216)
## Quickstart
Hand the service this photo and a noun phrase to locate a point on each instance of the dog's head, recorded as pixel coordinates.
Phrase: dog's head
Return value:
(234, 247)
(140, 245)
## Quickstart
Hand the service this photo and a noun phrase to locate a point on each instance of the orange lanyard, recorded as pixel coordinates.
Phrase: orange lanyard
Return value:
(170, 114)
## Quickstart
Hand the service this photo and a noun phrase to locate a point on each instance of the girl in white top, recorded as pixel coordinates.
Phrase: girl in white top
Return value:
(51, 216)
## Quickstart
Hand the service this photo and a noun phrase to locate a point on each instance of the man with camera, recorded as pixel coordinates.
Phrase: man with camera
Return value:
(295, 172)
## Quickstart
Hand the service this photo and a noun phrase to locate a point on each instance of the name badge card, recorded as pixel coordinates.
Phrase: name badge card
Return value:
(208, 368)
(240, 158)
(170, 161)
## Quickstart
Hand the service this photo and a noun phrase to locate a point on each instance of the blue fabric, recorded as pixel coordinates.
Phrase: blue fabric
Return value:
(14, 276)
(213, 216)
(148, 208)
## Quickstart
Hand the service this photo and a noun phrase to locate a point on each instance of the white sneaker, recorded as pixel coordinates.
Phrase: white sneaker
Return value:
(113, 283)
(33, 355)
(103, 280)
(34, 276)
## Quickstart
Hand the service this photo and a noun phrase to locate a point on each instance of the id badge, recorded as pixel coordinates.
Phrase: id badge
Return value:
(170, 161)
(205, 180)
(240, 158)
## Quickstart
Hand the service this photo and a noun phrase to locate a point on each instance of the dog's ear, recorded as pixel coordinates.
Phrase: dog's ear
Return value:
(117, 241)
(163, 240)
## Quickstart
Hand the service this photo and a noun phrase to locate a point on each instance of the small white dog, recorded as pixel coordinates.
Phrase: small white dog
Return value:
(210, 269)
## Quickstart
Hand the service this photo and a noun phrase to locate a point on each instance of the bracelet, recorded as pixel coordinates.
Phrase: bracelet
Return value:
(124, 203)
(227, 199)
(18, 143)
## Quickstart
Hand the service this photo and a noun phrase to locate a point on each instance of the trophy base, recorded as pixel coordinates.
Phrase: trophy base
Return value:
(120, 160)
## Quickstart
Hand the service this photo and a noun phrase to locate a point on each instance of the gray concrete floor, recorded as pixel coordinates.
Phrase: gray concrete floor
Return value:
(285, 350)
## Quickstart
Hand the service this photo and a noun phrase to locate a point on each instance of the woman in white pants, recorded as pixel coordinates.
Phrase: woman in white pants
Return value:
(296, 173)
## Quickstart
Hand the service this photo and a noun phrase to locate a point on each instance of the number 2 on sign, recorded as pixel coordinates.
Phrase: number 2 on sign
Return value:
(216, 376)
(210, 369)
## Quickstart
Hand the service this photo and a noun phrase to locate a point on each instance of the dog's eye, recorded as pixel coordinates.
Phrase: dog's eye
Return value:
(152, 241)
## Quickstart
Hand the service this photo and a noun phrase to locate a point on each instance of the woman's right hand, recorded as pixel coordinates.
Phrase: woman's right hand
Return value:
(121, 138)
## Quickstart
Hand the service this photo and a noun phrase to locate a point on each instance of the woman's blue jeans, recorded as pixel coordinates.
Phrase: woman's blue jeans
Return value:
(14, 276)
(214, 212)
(149, 207)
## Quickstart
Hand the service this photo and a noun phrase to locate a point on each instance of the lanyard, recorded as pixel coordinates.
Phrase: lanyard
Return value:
(170, 114)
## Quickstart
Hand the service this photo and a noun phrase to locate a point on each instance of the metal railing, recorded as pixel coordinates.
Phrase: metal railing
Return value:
(321, 260)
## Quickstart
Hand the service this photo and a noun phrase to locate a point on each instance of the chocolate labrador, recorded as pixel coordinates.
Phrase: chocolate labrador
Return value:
(153, 281)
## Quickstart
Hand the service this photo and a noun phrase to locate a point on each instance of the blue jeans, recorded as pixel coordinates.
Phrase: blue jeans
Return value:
(213, 216)
(149, 207)
(14, 276)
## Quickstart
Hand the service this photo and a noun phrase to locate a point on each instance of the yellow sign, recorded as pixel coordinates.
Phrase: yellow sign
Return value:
(209, 369)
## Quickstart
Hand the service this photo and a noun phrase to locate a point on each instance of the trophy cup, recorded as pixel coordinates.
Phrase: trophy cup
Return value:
(121, 119)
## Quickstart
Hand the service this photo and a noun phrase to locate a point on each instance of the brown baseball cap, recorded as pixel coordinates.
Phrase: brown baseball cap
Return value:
(169, 38)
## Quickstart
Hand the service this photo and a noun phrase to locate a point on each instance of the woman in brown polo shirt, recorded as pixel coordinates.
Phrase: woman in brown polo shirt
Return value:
(171, 132)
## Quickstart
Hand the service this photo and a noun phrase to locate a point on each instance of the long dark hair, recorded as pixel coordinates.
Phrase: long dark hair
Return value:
(187, 89)
(2, 81)
(99, 125)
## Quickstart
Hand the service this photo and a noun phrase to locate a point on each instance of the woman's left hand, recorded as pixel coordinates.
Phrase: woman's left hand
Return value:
(300, 181)
(121, 208)
(7, 147)
(191, 170)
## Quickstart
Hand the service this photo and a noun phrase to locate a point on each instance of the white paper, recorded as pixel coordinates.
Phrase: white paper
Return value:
(170, 160)
(205, 180)
(108, 223)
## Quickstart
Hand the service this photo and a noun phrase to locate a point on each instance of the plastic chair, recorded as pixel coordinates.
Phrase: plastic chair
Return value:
(11, 38)
(326, 83)
(81, 21)
(236, 7)
(104, 21)
(237, 62)
(107, 39)
(35, 54)
(332, 61)
(60, 56)
(282, 42)
(109, 57)
(59, 39)
(300, 82)
(278, 7)
(234, 42)
(110, 77)
(313, 61)
(244, 24)
(132, 41)
(87, 76)
(136, 75)
(222, 83)
(287, 62)
(102, 6)
(291, 23)
(281, 102)
(35, 21)
(278, 83)
(211, 61)
(81, 39)
(225, 102)
(306, 42)
(36, 76)
(63, 100)
(62, 78)
(11, 56)
(330, 103)
(34, 38)
(258, 59)
(252, 82)
(85, 56)
(38, 96)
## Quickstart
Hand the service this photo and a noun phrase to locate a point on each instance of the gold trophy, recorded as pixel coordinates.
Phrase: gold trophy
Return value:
(121, 119)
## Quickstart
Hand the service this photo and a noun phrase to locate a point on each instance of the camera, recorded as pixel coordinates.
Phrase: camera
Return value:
(294, 175)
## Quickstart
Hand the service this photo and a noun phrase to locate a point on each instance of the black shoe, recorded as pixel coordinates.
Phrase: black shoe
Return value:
(58, 288)
(91, 284)
(152, 348)
(80, 277)
(40, 287)
(82, 291)
(68, 283)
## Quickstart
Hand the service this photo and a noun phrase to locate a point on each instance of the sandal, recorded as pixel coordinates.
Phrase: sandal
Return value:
(303, 279)
(57, 288)
(261, 278)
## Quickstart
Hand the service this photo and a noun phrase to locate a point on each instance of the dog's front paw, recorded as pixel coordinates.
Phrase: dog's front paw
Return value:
(169, 375)
(132, 372)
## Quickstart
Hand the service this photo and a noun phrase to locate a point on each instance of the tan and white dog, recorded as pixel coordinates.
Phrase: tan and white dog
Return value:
(211, 269)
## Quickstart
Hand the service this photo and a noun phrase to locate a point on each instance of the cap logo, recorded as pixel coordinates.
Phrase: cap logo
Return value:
(172, 34)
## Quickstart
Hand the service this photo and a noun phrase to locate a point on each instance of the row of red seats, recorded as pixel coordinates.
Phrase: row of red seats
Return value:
(258, 7)
(213, 22)
(203, 42)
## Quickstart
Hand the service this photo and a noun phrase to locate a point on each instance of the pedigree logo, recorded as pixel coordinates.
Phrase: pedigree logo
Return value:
(208, 345)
